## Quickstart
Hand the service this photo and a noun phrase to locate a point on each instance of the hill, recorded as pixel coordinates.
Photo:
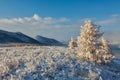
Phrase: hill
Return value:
(17, 37)
(13, 38)
(48, 41)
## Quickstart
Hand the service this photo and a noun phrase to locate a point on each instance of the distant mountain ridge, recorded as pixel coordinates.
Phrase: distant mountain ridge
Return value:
(48, 41)
(18, 37)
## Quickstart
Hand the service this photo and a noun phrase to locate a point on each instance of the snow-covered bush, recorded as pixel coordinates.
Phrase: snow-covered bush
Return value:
(72, 44)
(90, 48)
(52, 63)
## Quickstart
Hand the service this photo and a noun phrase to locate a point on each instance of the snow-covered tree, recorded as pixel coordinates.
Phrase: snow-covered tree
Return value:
(106, 50)
(88, 45)
(88, 40)
(72, 44)
(105, 45)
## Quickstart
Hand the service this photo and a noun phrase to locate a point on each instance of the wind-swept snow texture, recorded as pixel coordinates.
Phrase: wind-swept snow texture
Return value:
(52, 63)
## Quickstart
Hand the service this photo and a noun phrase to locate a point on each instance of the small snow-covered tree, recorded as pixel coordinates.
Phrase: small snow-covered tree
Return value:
(72, 44)
(108, 56)
(105, 45)
(89, 47)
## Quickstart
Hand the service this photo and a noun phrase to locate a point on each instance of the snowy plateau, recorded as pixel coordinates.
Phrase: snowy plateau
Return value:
(52, 63)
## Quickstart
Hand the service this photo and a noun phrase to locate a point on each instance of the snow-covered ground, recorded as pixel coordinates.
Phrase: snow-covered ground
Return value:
(52, 63)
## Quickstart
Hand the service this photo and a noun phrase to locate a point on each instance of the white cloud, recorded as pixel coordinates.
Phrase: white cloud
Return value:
(48, 19)
(33, 19)
(115, 15)
(113, 20)
(36, 25)
(112, 36)
(36, 17)
(58, 28)
(85, 19)
(110, 21)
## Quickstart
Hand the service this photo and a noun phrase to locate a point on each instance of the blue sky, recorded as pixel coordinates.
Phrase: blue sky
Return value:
(59, 19)
(59, 8)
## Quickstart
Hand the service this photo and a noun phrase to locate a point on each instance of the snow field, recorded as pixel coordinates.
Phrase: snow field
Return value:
(52, 63)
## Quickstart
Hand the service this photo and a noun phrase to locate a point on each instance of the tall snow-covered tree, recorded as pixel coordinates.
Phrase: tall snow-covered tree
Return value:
(89, 47)
(88, 40)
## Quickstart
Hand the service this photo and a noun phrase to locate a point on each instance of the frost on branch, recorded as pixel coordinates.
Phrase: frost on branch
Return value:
(90, 48)
(72, 44)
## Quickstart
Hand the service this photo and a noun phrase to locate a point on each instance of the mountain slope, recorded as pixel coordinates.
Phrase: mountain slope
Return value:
(48, 41)
(11, 37)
